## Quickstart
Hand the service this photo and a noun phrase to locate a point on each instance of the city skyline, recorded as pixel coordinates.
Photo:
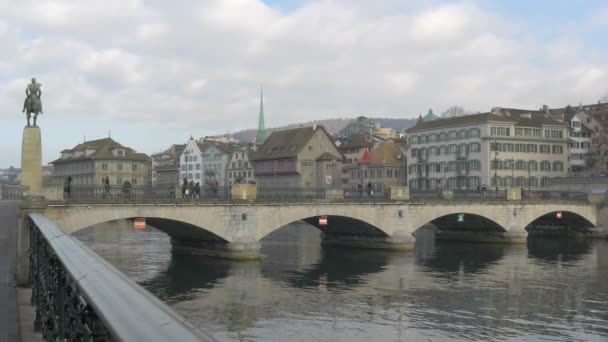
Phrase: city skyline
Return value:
(154, 75)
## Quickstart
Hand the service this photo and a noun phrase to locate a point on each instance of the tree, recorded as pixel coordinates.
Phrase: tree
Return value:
(604, 98)
(453, 112)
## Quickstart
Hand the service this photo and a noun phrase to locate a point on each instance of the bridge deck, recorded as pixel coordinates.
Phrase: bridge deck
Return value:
(9, 318)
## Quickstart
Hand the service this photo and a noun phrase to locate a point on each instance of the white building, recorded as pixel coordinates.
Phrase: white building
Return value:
(505, 148)
(240, 168)
(205, 162)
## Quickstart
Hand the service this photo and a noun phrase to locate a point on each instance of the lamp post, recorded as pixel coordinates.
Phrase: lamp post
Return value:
(496, 165)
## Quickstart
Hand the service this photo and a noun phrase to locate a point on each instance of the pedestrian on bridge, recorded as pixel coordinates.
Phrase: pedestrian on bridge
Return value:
(67, 187)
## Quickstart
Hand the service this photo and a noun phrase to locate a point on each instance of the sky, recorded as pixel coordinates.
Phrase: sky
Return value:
(151, 73)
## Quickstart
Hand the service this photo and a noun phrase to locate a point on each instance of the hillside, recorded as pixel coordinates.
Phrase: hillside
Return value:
(331, 125)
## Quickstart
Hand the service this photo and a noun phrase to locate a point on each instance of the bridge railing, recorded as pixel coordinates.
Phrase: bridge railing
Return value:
(554, 194)
(94, 192)
(80, 297)
(450, 194)
(11, 192)
(311, 193)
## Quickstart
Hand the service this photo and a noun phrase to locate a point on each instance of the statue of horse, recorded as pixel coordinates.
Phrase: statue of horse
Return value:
(32, 104)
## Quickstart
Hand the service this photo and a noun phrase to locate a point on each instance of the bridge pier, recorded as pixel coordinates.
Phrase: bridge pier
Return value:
(391, 243)
(508, 237)
(241, 251)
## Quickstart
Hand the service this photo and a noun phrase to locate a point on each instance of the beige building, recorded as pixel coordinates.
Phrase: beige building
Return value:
(505, 148)
(382, 167)
(165, 166)
(240, 168)
(90, 162)
(296, 158)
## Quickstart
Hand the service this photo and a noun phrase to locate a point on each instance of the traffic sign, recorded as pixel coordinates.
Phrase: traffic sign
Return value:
(460, 217)
(323, 221)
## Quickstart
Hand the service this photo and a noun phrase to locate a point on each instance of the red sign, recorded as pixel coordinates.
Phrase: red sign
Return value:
(559, 215)
(139, 223)
(323, 221)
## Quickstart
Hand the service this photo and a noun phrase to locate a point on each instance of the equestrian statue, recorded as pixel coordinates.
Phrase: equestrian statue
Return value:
(32, 103)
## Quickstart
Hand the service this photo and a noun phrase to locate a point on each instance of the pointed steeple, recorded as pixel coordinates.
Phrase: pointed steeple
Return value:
(261, 136)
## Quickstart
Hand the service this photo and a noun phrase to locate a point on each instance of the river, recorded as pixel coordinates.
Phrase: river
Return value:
(549, 290)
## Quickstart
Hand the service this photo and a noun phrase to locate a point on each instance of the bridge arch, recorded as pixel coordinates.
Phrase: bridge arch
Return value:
(561, 220)
(174, 222)
(381, 221)
(491, 220)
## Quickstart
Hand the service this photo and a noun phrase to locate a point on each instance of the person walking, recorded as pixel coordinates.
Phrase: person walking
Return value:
(369, 189)
(67, 187)
(106, 187)
(184, 187)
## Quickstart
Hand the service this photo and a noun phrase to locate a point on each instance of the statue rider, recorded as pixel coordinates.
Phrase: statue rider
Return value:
(32, 103)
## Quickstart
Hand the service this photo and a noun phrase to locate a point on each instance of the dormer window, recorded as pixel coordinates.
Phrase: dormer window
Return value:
(120, 152)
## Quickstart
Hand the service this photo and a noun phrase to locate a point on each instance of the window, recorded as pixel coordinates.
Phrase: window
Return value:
(558, 166)
(133, 167)
(119, 167)
(544, 182)
(545, 166)
(545, 149)
(474, 165)
(500, 131)
(531, 148)
(520, 165)
(198, 166)
(475, 133)
(557, 149)
(190, 167)
(119, 181)
(120, 152)
(553, 134)
(310, 147)
(104, 166)
(576, 124)
(134, 181)
(532, 165)
(452, 135)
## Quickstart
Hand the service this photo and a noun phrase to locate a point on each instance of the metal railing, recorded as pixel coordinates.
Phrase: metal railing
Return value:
(448, 194)
(269, 194)
(554, 194)
(10, 192)
(80, 297)
(578, 180)
(287, 194)
(94, 192)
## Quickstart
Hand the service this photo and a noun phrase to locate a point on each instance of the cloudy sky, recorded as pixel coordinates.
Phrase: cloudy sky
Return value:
(154, 72)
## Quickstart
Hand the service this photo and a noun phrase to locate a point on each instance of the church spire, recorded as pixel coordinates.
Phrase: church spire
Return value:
(261, 128)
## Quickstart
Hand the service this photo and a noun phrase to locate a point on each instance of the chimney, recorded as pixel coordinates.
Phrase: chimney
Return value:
(546, 109)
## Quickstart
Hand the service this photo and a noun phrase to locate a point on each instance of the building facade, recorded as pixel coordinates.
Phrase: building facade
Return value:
(240, 168)
(165, 166)
(295, 158)
(205, 162)
(505, 148)
(383, 167)
(92, 161)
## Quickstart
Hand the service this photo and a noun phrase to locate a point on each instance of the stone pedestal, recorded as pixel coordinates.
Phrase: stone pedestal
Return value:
(31, 160)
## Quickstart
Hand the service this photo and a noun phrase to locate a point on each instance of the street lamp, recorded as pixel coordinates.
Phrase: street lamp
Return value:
(496, 164)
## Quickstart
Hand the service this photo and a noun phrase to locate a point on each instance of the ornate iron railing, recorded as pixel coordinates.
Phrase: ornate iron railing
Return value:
(80, 297)
(11, 192)
(554, 194)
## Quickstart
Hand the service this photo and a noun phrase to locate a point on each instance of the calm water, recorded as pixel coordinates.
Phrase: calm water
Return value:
(551, 290)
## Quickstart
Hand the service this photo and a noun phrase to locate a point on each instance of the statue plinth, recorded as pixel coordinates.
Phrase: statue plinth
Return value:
(31, 160)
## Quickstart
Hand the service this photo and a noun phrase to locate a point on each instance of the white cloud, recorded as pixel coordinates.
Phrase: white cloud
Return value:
(197, 66)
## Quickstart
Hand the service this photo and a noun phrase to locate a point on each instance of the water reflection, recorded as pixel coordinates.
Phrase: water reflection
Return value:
(562, 249)
(185, 276)
(445, 291)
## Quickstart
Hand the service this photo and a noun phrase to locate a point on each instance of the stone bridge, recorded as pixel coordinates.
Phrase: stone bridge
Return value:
(234, 230)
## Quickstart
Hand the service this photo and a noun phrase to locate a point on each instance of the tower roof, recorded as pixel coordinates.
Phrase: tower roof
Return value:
(261, 136)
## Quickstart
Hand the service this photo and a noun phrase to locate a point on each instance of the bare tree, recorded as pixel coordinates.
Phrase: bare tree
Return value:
(453, 111)
(604, 98)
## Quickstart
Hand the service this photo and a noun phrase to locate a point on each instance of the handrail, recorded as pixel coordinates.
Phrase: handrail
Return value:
(80, 296)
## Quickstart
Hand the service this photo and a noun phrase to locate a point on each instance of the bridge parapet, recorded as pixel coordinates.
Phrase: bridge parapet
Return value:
(79, 296)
